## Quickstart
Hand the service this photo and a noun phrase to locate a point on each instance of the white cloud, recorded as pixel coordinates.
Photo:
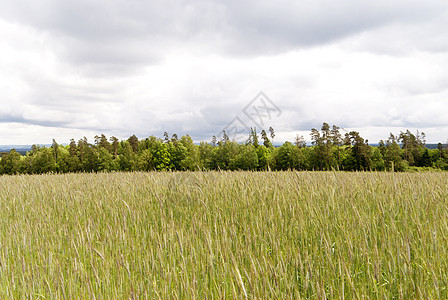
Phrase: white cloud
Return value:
(124, 67)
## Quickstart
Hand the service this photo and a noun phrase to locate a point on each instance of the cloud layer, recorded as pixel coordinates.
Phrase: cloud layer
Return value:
(76, 68)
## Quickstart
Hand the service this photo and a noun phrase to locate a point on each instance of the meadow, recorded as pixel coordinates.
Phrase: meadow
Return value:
(216, 235)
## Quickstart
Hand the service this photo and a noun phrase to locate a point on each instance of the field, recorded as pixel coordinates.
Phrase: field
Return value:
(285, 235)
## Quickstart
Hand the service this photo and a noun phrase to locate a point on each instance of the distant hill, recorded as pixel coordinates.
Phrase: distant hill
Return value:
(22, 149)
(435, 146)
(429, 146)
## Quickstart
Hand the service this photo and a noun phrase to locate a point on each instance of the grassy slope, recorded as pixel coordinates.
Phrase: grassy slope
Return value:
(285, 235)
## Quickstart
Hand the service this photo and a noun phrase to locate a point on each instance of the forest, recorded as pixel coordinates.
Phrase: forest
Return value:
(329, 150)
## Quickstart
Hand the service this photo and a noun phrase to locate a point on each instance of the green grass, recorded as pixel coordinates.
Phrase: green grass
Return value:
(224, 235)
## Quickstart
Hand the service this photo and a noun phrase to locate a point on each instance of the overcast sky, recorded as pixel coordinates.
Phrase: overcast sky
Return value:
(70, 68)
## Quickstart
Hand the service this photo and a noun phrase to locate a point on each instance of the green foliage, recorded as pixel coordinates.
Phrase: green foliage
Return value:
(412, 146)
(63, 160)
(253, 138)
(10, 163)
(162, 157)
(284, 157)
(263, 154)
(393, 157)
(184, 154)
(127, 157)
(42, 161)
(205, 155)
(360, 152)
(328, 152)
(326, 147)
(266, 142)
(441, 163)
(425, 159)
(133, 142)
(289, 157)
(190, 160)
(224, 154)
(105, 159)
(246, 158)
(377, 160)
(145, 161)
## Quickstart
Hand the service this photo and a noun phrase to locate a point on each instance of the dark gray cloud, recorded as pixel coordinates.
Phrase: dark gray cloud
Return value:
(135, 33)
(280, 25)
(109, 34)
(8, 118)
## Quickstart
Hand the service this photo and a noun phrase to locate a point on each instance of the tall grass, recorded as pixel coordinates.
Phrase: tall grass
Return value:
(224, 235)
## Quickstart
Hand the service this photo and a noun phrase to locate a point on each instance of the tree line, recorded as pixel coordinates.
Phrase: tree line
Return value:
(329, 150)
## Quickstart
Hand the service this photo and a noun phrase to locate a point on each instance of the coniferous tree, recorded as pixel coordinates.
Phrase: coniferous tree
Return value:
(360, 152)
(271, 130)
(133, 142)
(393, 157)
(253, 138)
(396, 153)
(115, 143)
(425, 159)
(104, 143)
(166, 137)
(300, 141)
(266, 142)
(336, 139)
(54, 147)
(225, 137)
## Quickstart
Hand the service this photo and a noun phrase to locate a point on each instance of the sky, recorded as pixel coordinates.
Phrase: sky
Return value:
(70, 69)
